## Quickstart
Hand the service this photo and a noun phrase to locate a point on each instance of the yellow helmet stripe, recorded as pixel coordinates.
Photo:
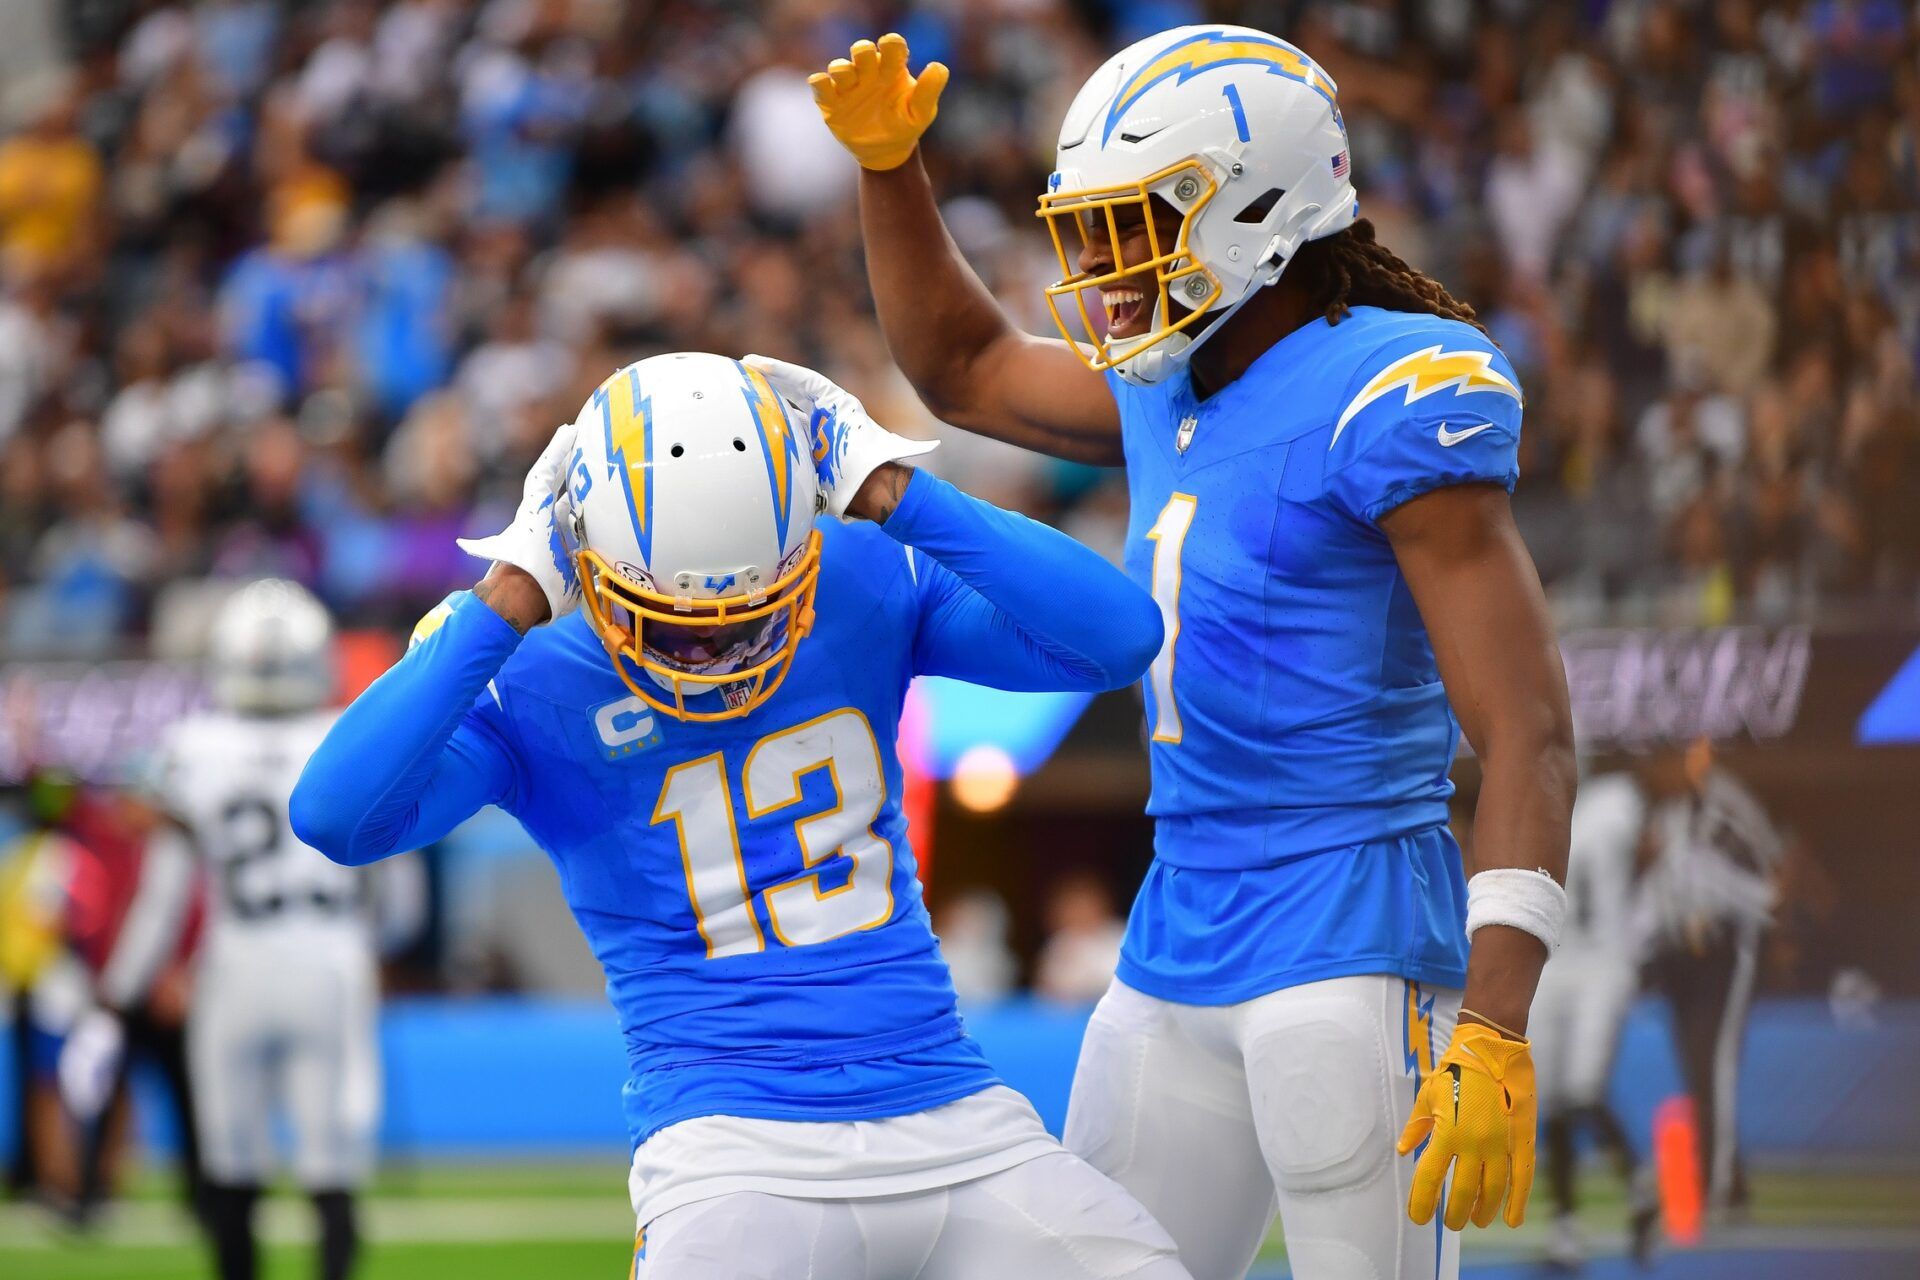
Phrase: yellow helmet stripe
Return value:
(776, 442)
(1211, 49)
(1423, 373)
(626, 416)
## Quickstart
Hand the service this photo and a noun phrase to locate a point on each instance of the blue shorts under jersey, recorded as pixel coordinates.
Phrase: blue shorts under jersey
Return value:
(1301, 738)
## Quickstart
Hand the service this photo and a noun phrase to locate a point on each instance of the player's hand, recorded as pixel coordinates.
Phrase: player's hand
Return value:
(89, 1062)
(873, 105)
(538, 541)
(1475, 1112)
(846, 443)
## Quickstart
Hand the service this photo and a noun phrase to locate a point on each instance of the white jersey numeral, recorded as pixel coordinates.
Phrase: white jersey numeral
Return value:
(697, 798)
(1169, 536)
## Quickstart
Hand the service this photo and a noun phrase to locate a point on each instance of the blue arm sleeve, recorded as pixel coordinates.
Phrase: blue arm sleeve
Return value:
(1010, 603)
(420, 751)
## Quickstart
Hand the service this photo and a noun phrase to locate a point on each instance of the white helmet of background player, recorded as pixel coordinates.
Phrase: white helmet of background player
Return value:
(271, 650)
(1240, 133)
(694, 499)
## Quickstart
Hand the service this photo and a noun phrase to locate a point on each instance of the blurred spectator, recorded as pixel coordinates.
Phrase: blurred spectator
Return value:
(1721, 324)
(1083, 940)
(516, 371)
(792, 167)
(287, 304)
(246, 247)
(974, 927)
(49, 182)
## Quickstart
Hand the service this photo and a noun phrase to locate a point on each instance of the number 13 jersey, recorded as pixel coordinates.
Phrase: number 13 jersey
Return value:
(746, 883)
(1300, 735)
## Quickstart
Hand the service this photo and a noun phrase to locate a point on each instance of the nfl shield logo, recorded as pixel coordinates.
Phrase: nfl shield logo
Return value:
(1184, 436)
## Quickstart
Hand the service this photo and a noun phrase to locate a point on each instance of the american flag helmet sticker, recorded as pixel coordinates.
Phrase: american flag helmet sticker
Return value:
(1340, 165)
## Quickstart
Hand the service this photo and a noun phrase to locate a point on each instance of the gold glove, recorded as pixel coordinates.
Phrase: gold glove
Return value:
(1475, 1112)
(873, 106)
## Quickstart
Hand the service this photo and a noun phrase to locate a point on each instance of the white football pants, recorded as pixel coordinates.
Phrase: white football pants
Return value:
(1050, 1217)
(1217, 1117)
(1581, 1005)
(299, 1038)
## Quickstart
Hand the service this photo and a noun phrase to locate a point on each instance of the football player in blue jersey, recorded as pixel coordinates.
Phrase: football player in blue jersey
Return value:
(704, 749)
(1320, 444)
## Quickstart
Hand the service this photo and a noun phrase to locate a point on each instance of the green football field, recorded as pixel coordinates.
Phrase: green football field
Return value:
(491, 1222)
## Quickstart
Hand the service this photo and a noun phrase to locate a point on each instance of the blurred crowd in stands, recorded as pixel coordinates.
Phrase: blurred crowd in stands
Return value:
(301, 287)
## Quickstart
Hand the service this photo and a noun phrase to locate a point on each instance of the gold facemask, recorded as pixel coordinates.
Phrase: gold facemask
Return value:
(642, 628)
(1091, 212)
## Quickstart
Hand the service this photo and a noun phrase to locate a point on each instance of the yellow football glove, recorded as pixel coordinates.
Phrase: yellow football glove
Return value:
(870, 102)
(1478, 1107)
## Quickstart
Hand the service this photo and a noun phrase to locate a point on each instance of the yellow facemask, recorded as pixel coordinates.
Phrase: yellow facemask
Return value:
(1178, 275)
(642, 628)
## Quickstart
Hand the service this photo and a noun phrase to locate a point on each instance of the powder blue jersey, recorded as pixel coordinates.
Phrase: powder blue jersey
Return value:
(1300, 736)
(746, 884)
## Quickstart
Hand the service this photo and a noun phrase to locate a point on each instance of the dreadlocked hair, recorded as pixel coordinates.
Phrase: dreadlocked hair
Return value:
(1352, 269)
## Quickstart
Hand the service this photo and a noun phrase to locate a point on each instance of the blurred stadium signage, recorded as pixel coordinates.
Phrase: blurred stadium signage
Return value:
(1638, 688)
(1630, 689)
(93, 720)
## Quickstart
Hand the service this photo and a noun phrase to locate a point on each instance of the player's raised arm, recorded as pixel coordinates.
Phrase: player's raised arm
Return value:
(420, 751)
(969, 363)
(1005, 601)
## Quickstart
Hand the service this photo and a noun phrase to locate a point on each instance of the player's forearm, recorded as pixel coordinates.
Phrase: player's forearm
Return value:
(948, 334)
(938, 318)
(1522, 821)
(1048, 613)
(385, 779)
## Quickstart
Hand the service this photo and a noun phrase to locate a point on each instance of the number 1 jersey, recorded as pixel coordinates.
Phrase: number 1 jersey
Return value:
(1300, 735)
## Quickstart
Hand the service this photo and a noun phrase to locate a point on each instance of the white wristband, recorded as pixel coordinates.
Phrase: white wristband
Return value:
(1528, 900)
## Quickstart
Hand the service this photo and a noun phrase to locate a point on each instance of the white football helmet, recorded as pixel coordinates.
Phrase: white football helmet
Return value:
(1241, 134)
(271, 650)
(694, 500)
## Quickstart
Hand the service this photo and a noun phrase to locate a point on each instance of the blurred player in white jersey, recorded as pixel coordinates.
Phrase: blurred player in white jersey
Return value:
(283, 1019)
(1585, 992)
(1705, 901)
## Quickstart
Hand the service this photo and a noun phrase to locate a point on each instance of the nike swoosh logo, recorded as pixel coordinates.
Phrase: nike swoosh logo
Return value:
(1448, 439)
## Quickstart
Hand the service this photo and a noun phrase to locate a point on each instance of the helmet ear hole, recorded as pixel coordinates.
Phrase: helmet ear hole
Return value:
(739, 444)
(1261, 205)
(676, 451)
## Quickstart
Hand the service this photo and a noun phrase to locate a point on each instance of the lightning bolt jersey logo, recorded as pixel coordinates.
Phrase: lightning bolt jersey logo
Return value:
(1427, 372)
(1211, 49)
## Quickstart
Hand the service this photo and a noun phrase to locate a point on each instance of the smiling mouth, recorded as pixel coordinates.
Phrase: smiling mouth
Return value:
(1127, 312)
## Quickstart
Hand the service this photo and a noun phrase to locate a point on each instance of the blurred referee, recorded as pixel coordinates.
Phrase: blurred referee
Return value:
(1712, 860)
